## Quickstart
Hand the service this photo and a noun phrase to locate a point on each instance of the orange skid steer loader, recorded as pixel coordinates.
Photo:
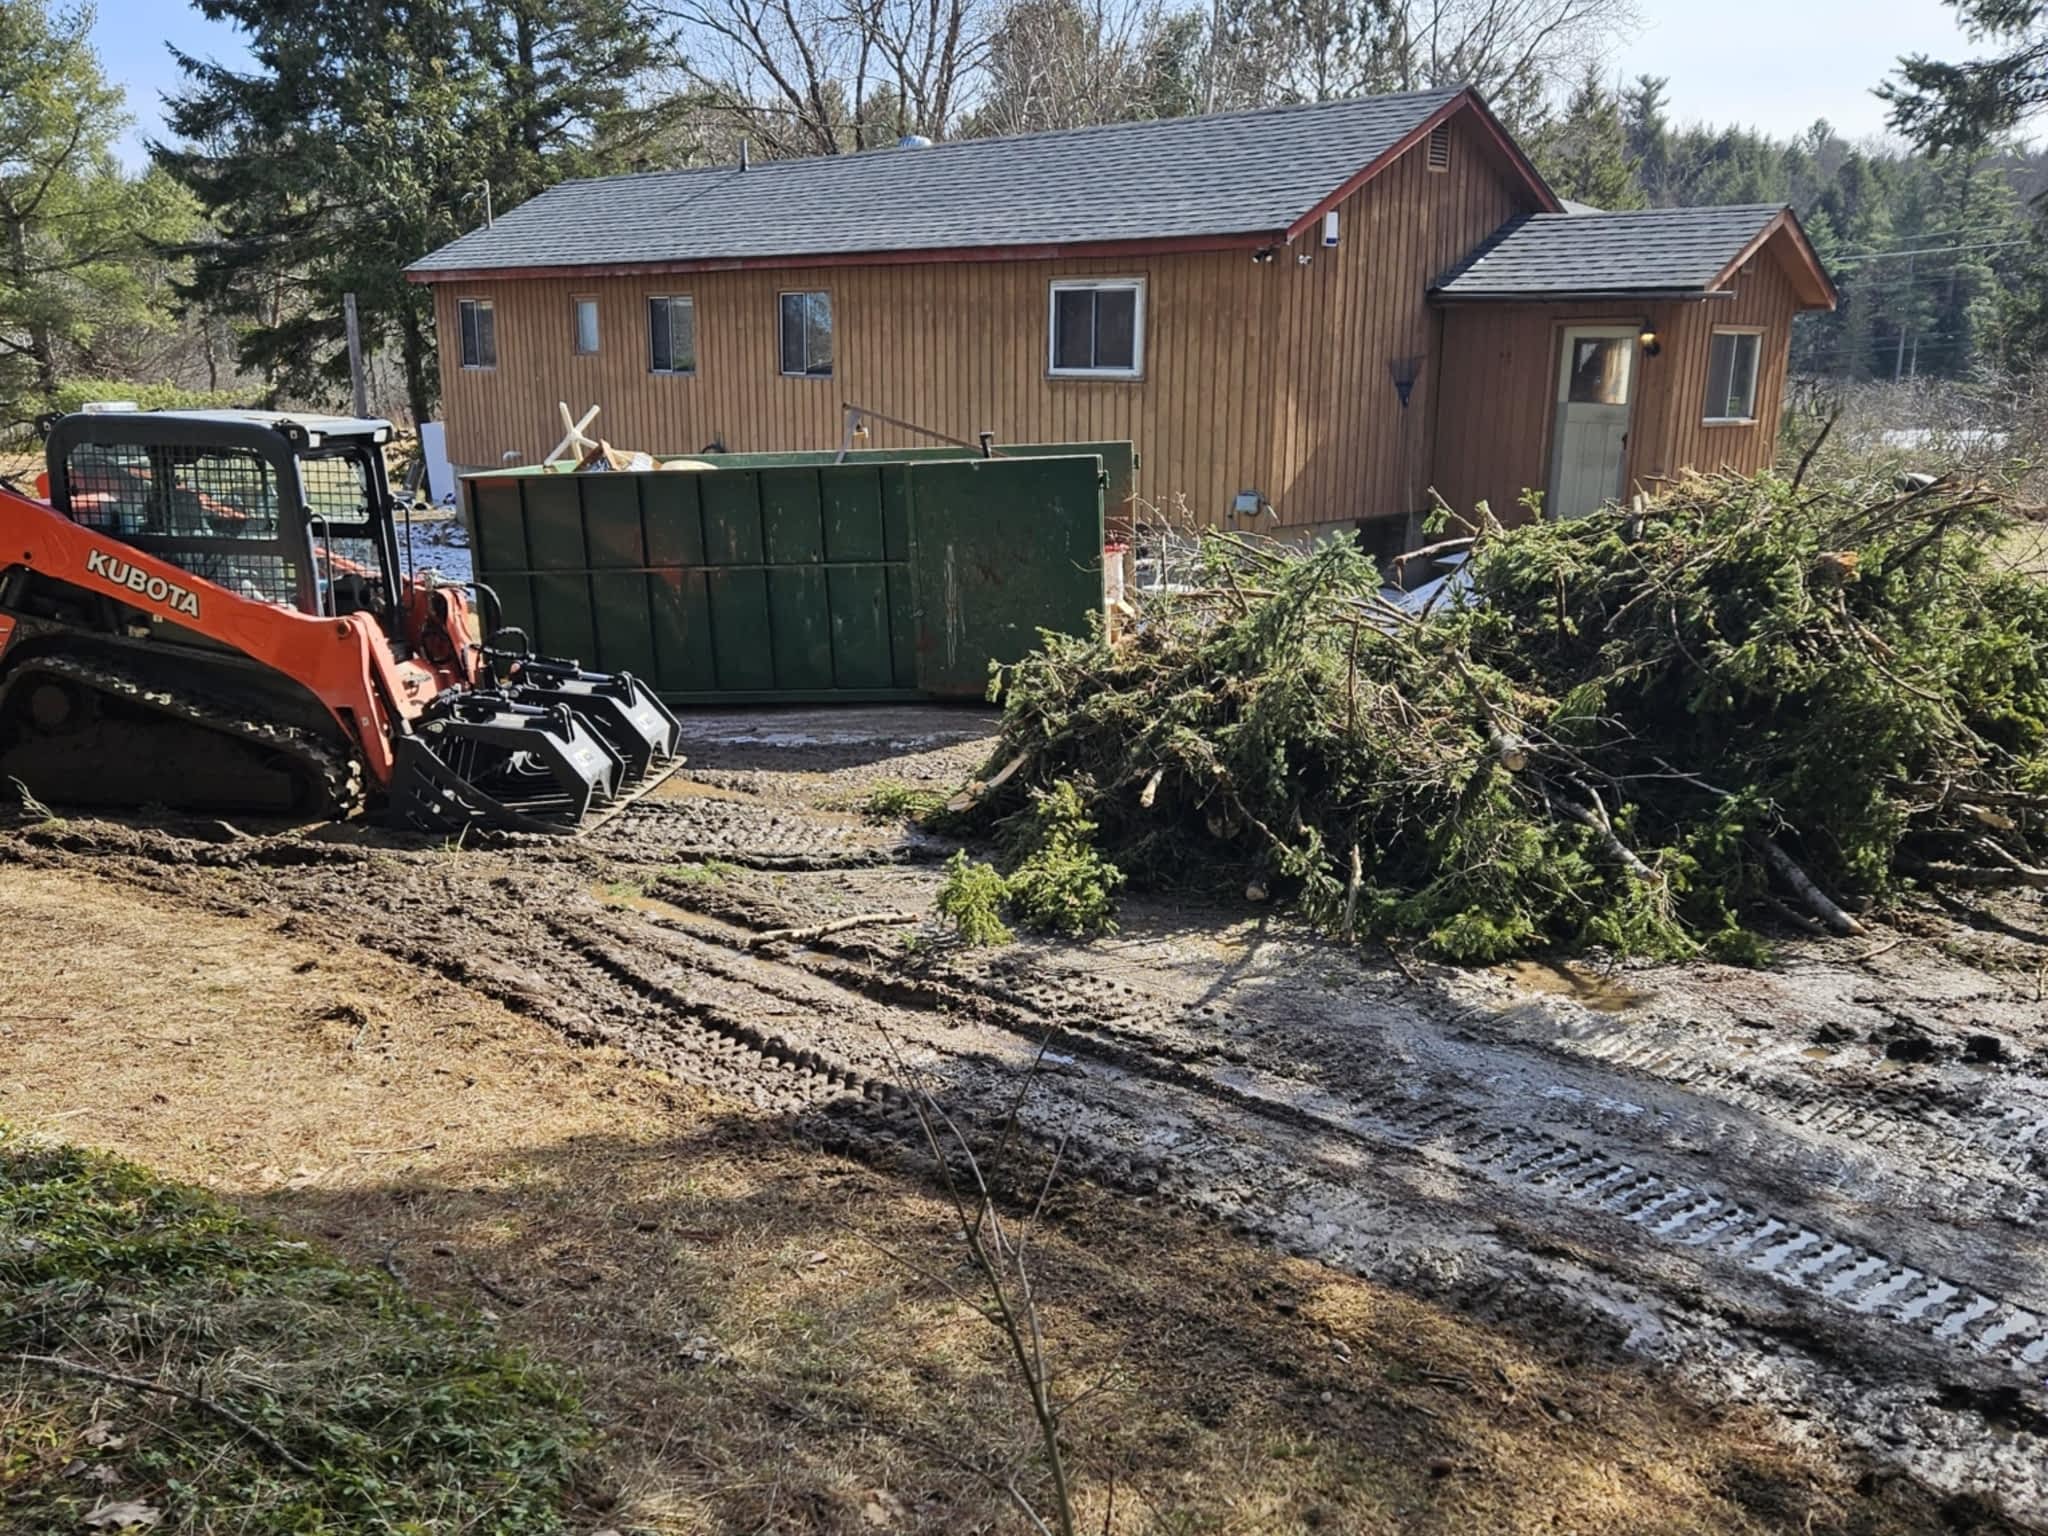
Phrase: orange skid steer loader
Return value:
(209, 615)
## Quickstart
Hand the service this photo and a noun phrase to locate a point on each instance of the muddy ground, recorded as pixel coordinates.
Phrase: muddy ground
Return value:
(1812, 1193)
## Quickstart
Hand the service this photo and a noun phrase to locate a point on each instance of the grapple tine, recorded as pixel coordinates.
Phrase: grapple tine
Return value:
(484, 757)
(618, 706)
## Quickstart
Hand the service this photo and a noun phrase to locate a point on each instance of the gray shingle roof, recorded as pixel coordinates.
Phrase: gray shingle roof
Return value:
(1657, 250)
(1230, 173)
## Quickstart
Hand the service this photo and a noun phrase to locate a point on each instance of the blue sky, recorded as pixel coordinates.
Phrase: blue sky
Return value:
(1771, 64)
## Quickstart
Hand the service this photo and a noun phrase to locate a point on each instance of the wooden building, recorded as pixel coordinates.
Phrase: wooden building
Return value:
(1314, 314)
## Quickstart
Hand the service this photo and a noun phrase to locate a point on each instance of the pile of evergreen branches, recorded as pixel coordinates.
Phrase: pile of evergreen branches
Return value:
(1655, 729)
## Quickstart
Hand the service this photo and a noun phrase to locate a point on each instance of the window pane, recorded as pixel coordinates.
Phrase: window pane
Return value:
(1073, 333)
(1600, 370)
(660, 348)
(818, 333)
(682, 325)
(467, 309)
(586, 325)
(1116, 327)
(792, 333)
(486, 337)
(1742, 387)
(1720, 369)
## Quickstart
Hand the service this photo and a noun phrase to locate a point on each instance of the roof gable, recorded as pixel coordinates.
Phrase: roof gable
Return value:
(1234, 177)
(1647, 253)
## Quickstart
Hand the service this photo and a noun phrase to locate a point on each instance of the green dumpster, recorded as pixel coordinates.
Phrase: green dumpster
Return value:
(781, 580)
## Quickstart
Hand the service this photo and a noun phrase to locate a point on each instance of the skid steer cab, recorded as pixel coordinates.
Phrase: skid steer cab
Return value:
(210, 613)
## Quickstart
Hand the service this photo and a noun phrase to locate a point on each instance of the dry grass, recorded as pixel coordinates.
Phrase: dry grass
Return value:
(760, 1362)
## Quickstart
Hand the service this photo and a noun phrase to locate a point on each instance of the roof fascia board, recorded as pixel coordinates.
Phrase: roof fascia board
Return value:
(1582, 296)
(1176, 245)
(1467, 98)
(1818, 289)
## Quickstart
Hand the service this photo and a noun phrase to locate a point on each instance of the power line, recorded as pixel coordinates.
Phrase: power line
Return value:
(1936, 250)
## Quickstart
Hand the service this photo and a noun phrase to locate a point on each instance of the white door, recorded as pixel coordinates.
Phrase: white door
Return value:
(1595, 384)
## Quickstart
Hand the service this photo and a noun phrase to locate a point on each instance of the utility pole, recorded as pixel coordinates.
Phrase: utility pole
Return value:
(1899, 359)
(359, 386)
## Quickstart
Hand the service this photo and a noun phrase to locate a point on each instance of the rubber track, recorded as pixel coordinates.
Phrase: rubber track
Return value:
(339, 773)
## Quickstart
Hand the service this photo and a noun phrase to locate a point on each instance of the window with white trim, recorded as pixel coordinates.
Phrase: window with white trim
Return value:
(1731, 375)
(807, 335)
(585, 310)
(479, 325)
(672, 334)
(1097, 328)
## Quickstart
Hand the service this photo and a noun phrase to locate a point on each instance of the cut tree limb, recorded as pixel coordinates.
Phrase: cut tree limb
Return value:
(976, 792)
(1818, 902)
(221, 1411)
(1602, 829)
(1151, 790)
(837, 925)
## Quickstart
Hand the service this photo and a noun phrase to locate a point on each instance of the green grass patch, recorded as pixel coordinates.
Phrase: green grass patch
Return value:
(376, 1414)
(891, 800)
(705, 872)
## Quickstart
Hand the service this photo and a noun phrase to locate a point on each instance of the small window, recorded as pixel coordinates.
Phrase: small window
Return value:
(1731, 376)
(1440, 147)
(479, 333)
(672, 334)
(807, 335)
(586, 327)
(1098, 329)
(1600, 368)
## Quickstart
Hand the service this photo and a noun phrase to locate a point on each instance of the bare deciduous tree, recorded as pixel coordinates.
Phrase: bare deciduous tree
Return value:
(807, 77)
(822, 77)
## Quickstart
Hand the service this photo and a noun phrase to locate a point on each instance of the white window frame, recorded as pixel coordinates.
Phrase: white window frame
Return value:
(479, 366)
(832, 308)
(1059, 285)
(671, 372)
(576, 303)
(1756, 368)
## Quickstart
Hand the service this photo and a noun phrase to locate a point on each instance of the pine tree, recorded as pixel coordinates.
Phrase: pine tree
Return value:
(367, 133)
(75, 231)
(1584, 155)
(1942, 105)
(1649, 135)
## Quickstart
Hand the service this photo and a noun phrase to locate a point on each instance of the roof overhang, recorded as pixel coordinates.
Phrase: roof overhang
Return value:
(1809, 279)
(1467, 100)
(1584, 296)
(1180, 244)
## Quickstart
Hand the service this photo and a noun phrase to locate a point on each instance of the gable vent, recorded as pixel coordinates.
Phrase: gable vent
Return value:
(1440, 147)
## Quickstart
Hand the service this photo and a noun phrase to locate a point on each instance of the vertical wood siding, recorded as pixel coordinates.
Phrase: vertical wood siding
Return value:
(1268, 376)
(1497, 402)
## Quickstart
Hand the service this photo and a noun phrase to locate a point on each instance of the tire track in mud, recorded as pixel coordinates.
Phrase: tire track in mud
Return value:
(1399, 1169)
(1310, 1173)
(1991, 1155)
(1680, 1211)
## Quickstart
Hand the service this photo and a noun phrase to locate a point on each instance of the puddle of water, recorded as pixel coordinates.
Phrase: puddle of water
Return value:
(1587, 988)
(639, 901)
(683, 787)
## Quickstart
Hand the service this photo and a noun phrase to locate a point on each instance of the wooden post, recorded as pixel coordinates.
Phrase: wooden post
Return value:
(359, 386)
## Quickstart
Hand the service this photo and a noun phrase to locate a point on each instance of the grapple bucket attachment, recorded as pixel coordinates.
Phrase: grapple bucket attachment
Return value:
(618, 706)
(532, 759)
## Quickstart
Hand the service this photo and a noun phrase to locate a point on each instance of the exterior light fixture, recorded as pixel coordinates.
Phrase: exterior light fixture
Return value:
(1650, 344)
